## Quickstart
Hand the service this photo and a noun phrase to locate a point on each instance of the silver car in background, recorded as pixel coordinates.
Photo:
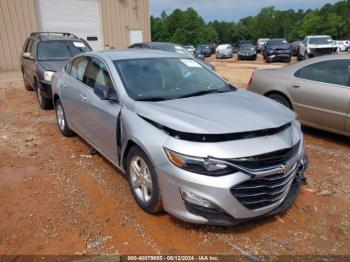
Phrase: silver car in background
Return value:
(318, 90)
(189, 142)
(224, 51)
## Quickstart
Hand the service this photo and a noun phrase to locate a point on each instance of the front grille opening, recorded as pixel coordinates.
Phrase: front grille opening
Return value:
(261, 192)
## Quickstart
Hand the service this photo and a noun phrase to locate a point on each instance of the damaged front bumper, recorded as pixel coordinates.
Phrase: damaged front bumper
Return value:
(235, 198)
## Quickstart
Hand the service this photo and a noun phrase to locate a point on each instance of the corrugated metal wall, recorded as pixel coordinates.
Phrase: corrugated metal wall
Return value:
(119, 16)
(17, 21)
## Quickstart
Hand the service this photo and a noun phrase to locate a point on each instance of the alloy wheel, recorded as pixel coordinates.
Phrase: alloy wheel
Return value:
(60, 117)
(140, 178)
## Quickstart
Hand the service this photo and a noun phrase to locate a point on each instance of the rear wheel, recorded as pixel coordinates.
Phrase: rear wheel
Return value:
(143, 181)
(44, 103)
(62, 121)
(280, 99)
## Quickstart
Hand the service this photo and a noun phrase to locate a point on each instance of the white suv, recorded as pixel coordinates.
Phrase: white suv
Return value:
(316, 45)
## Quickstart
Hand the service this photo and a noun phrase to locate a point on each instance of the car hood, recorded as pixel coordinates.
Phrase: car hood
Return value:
(53, 65)
(237, 111)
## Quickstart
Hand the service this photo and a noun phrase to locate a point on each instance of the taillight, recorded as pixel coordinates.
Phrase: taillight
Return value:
(251, 79)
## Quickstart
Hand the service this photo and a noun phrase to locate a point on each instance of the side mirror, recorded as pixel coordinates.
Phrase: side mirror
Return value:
(102, 91)
(200, 56)
(27, 55)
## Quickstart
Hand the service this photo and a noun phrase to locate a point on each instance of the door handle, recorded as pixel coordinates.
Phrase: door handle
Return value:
(295, 86)
(64, 85)
(83, 98)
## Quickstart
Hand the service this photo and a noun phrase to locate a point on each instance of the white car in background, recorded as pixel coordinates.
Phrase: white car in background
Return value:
(316, 45)
(224, 51)
(342, 45)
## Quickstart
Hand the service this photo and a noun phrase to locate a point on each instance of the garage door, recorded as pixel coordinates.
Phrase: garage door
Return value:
(80, 17)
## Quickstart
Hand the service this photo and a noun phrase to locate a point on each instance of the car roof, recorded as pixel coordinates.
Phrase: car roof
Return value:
(312, 61)
(137, 54)
(274, 39)
(316, 36)
(157, 44)
(57, 38)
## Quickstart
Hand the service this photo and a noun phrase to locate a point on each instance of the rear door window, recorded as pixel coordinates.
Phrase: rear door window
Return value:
(78, 68)
(335, 72)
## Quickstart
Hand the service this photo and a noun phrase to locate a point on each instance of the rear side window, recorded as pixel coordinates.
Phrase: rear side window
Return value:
(97, 74)
(78, 68)
(335, 72)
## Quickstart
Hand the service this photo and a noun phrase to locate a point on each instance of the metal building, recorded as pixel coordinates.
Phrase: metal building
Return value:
(103, 23)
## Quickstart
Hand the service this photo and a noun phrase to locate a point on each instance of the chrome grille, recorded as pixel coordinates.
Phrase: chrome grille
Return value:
(267, 160)
(264, 191)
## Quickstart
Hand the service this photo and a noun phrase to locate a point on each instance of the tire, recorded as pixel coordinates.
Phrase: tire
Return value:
(62, 121)
(27, 86)
(280, 99)
(143, 184)
(44, 103)
(299, 57)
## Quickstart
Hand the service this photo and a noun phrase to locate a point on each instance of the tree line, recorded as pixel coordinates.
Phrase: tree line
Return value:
(187, 27)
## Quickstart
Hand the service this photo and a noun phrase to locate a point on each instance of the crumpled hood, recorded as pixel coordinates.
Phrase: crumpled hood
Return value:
(231, 112)
(53, 66)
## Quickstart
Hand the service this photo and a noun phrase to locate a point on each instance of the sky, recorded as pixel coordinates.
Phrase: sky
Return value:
(232, 10)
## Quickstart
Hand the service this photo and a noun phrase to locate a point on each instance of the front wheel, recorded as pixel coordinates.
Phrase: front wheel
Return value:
(280, 99)
(62, 121)
(143, 181)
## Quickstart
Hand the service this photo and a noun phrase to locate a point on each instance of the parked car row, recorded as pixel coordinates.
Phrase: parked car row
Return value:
(188, 141)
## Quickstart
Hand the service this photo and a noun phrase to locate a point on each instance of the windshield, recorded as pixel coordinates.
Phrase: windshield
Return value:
(277, 42)
(167, 78)
(60, 50)
(247, 48)
(320, 41)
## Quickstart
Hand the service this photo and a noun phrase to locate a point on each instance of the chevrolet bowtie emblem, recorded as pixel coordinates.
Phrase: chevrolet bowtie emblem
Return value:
(285, 169)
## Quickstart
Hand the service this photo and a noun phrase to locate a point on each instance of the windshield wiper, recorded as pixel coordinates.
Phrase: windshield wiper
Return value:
(152, 98)
(226, 88)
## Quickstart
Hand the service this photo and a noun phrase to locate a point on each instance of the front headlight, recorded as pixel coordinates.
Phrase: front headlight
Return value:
(205, 166)
(48, 75)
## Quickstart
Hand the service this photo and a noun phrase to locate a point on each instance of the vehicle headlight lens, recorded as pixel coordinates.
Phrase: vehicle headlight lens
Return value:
(48, 75)
(205, 166)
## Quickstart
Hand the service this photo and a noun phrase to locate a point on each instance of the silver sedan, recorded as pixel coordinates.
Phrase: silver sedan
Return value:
(189, 142)
(318, 90)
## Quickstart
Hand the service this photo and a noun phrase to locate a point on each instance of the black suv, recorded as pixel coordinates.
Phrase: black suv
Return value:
(277, 49)
(43, 54)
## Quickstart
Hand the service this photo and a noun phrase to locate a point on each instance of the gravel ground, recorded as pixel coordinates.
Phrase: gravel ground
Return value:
(57, 199)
